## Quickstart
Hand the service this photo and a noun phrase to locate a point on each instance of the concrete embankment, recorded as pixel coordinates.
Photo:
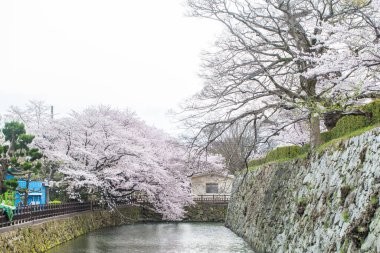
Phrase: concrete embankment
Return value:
(40, 235)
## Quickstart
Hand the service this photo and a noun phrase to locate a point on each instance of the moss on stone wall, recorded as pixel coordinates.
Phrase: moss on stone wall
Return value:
(206, 212)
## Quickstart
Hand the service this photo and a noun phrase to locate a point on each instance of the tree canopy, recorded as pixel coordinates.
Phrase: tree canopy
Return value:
(110, 154)
(281, 66)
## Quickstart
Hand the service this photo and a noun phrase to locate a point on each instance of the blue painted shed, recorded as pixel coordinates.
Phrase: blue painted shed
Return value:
(38, 192)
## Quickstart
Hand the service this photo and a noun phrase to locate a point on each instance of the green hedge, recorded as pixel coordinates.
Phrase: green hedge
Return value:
(373, 109)
(345, 125)
(351, 123)
(284, 152)
(287, 152)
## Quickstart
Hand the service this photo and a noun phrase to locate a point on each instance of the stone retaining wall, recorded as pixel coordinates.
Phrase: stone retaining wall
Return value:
(327, 203)
(206, 212)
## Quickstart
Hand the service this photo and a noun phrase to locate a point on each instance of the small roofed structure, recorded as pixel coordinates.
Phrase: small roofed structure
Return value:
(38, 191)
(211, 184)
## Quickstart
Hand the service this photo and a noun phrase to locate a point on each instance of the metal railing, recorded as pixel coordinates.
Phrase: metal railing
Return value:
(36, 212)
(213, 199)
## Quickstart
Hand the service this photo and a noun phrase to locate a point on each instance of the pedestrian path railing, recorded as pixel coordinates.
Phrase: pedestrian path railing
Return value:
(37, 212)
(214, 199)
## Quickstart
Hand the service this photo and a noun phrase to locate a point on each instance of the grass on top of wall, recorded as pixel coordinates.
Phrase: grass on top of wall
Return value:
(337, 141)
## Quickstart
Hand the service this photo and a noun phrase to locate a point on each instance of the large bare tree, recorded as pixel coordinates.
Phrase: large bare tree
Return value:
(236, 146)
(279, 64)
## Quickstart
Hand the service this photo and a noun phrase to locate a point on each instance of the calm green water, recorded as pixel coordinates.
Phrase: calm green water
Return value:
(158, 238)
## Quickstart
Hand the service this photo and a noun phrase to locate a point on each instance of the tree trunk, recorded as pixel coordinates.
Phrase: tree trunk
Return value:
(3, 172)
(315, 131)
(2, 178)
(26, 195)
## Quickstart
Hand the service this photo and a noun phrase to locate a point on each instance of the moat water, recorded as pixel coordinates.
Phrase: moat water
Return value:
(158, 238)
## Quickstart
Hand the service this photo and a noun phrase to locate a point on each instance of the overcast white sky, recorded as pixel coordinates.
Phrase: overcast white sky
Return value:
(142, 54)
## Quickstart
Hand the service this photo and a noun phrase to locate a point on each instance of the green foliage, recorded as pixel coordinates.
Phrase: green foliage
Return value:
(256, 162)
(351, 123)
(8, 198)
(55, 202)
(344, 126)
(355, 3)
(374, 200)
(11, 184)
(373, 109)
(24, 140)
(3, 150)
(326, 225)
(344, 247)
(12, 130)
(34, 154)
(26, 165)
(302, 201)
(345, 215)
(337, 142)
(19, 158)
(59, 193)
(281, 153)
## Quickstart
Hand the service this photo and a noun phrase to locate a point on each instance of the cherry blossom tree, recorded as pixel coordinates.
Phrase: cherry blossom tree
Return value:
(282, 63)
(112, 154)
(33, 114)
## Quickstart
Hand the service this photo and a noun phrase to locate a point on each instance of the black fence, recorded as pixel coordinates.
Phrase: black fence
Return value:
(213, 199)
(36, 212)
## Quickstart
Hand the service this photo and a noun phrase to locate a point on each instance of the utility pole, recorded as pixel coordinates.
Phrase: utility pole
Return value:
(51, 112)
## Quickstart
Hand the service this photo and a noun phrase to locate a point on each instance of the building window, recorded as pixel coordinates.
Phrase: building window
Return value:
(211, 188)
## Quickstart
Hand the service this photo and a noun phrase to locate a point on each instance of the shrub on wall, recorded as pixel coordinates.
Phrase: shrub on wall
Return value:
(373, 109)
(351, 123)
(345, 125)
(287, 152)
(256, 162)
(283, 152)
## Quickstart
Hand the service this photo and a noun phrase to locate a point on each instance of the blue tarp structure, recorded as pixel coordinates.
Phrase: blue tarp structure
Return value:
(37, 191)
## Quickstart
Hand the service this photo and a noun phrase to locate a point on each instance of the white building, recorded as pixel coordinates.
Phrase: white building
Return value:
(211, 184)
